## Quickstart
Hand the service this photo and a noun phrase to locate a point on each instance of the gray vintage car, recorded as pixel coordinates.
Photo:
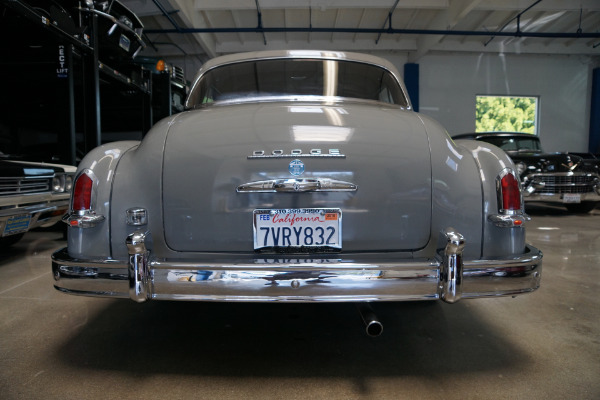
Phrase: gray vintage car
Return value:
(297, 176)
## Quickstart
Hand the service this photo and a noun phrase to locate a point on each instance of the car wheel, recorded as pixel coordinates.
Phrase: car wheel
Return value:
(582, 208)
(10, 240)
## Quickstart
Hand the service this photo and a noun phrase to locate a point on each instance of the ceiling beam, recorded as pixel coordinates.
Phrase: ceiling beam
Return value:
(484, 5)
(193, 18)
(444, 20)
(388, 20)
(360, 23)
(517, 47)
(237, 23)
(408, 45)
(210, 5)
(546, 5)
(361, 45)
(442, 32)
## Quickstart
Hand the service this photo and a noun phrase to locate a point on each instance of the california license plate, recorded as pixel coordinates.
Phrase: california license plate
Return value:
(16, 224)
(571, 198)
(298, 228)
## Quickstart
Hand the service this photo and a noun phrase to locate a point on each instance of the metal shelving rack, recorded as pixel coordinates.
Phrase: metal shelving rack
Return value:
(90, 70)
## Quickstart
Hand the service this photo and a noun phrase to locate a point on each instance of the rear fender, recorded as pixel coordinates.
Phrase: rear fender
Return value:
(456, 191)
(137, 184)
(491, 161)
(94, 242)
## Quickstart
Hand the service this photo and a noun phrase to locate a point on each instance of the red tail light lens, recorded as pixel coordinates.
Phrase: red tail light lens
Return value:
(82, 195)
(511, 195)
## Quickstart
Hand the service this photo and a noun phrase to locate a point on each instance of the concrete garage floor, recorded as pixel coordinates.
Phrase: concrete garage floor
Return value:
(539, 346)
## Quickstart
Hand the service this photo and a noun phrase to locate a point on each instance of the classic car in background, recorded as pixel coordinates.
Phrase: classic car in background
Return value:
(32, 194)
(297, 176)
(571, 179)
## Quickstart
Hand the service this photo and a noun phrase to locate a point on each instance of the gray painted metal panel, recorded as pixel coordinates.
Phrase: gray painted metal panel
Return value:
(386, 154)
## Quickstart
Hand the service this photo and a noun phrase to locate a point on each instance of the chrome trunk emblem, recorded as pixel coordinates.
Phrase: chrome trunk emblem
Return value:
(297, 153)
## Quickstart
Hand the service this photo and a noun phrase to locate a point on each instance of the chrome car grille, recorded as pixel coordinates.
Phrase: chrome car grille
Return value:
(557, 184)
(13, 186)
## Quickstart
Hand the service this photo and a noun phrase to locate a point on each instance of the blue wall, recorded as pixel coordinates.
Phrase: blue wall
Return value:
(411, 80)
(594, 146)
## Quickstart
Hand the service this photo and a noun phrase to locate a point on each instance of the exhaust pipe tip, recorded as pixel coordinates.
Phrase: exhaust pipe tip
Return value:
(373, 326)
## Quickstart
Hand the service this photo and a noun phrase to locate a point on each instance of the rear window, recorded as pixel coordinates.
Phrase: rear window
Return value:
(254, 80)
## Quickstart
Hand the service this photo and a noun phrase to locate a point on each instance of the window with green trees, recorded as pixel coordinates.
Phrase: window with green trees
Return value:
(506, 114)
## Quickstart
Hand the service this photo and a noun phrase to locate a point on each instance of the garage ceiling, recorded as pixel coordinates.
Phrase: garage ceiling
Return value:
(207, 28)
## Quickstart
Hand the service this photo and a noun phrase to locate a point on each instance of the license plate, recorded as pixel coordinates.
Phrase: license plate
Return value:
(571, 198)
(298, 228)
(16, 224)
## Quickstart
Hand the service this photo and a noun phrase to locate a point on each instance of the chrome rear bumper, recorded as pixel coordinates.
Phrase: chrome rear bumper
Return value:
(446, 277)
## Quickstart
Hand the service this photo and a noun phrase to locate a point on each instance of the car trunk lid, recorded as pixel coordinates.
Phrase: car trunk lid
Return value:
(213, 153)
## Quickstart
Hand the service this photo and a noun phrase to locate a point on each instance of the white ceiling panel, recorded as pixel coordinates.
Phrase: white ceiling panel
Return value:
(206, 28)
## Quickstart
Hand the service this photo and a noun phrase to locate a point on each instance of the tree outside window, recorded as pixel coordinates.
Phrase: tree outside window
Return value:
(506, 114)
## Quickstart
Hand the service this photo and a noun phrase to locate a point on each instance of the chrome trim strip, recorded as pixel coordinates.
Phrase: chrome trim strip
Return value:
(297, 185)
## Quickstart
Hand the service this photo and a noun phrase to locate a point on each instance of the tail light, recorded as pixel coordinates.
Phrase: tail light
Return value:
(82, 194)
(510, 203)
(509, 192)
(83, 202)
